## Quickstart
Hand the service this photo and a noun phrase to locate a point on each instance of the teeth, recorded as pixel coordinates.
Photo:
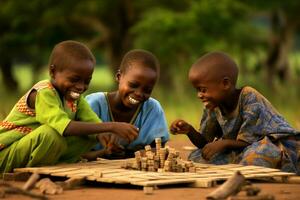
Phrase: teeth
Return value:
(74, 95)
(205, 103)
(133, 101)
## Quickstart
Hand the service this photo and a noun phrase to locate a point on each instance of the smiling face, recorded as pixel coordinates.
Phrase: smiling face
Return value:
(73, 80)
(71, 68)
(135, 84)
(210, 90)
(214, 76)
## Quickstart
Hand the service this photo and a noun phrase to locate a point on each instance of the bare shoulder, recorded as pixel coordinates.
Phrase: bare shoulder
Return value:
(31, 99)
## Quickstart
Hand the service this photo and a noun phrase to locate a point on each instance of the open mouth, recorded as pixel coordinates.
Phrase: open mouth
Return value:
(133, 101)
(74, 95)
(205, 103)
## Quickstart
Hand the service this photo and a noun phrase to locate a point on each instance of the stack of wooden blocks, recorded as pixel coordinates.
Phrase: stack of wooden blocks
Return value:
(159, 160)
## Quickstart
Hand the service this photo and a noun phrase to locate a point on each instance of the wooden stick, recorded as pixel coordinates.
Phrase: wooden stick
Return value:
(9, 189)
(258, 197)
(31, 181)
(230, 187)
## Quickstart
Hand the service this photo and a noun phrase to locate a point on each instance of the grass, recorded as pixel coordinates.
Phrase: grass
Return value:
(177, 104)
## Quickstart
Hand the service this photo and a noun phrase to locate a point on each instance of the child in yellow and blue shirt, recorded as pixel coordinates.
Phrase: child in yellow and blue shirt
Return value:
(238, 125)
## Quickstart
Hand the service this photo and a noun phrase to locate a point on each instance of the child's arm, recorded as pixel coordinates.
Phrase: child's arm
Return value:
(125, 130)
(181, 127)
(49, 111)
(218, 146)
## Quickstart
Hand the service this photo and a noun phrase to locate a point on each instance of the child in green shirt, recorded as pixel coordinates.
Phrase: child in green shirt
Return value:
(53, 122)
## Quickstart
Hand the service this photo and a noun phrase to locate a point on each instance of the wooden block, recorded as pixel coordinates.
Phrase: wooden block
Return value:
(203, 183)
(160, 170)
(98, 174)
(148, 190)
(164, 182)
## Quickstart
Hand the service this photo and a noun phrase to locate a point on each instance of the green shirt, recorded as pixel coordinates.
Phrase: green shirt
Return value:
(49, 110)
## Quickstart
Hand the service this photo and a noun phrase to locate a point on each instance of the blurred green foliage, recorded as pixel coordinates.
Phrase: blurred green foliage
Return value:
(177, 32)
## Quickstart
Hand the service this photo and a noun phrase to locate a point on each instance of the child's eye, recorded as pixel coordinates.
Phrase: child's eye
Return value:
(202, 90)
(73, 80)
(133, 85)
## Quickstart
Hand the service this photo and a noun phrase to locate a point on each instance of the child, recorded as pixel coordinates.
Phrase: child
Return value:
(132, 103)
(238, 125)
(53, 122)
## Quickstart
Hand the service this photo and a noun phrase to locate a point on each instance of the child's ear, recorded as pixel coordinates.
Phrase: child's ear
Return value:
(118, 75)
(52, 71)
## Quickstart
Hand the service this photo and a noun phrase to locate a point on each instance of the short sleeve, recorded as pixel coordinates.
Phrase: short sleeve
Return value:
(49, 110)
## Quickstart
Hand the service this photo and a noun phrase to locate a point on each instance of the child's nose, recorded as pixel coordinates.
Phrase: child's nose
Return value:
(139, 93)
(200, 95)
(80, 87)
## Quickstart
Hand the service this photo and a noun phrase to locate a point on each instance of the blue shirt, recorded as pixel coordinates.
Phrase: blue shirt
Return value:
(150, 120)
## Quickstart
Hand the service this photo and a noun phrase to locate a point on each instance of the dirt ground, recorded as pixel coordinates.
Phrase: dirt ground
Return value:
(96, 191)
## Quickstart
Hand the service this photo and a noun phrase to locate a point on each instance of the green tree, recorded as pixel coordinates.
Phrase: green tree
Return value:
(179, 38)
(32, 27)
(283, 17)
(112, 21)
(27, 30)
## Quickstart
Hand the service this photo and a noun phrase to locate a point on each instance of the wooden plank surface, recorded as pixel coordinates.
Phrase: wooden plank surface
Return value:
(110, 171)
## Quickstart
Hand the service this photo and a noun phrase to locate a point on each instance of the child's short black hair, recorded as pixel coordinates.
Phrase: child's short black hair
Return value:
(145, 58)
(65, 52)
(218, 63)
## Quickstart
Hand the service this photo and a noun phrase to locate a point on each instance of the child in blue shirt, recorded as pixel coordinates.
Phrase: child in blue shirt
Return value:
(132, 103)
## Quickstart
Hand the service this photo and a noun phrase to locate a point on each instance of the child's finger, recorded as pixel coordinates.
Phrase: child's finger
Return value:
(182, 123)
(103, 140)
(173, 130)
(133, 134)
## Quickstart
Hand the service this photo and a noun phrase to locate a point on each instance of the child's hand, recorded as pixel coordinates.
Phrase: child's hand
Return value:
(125, 130)
(109, 141)
(105, 139)
(210, 149)
(180, 126)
